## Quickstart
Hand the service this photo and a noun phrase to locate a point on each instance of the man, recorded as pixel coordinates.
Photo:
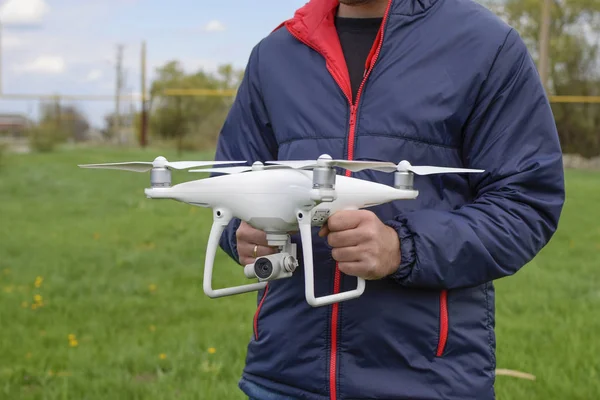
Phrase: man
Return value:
(435, 82)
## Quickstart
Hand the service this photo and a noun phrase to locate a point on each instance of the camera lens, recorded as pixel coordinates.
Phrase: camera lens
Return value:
(263, 268)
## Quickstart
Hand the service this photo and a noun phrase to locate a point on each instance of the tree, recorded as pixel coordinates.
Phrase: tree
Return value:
(67, 119)
(184, 117)
(574, 62)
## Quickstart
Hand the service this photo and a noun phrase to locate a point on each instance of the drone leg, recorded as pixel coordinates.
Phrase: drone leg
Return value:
(221, 219)
(305, 225)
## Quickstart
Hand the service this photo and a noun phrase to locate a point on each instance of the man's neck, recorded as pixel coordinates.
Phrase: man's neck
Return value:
(370, 9)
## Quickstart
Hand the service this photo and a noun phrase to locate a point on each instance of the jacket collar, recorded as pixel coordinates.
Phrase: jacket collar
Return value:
(313, 24)
(313, 13)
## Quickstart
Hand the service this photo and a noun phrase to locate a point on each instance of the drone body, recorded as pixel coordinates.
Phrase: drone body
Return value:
(270, 199)
(288, 196)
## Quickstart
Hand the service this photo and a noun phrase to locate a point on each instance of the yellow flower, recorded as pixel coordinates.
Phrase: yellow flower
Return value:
(96, 236)
(152, 287)
(38, 281)
(212, 350)
(152, 328)
(34, 306)
(71, 337)
(28, 355)
(162, 356)
(38, 300)
(73, 343)
(9, 289)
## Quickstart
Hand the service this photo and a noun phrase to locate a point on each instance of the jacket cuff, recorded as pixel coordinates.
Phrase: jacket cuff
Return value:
(228, 240)
(407, 250)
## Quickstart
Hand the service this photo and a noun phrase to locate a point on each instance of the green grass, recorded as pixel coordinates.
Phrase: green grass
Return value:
(124, 275)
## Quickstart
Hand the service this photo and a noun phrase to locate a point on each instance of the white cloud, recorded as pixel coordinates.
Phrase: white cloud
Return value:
(11, 42)
(214, 26)
(94, 75)
(44, 65)
(23, 12)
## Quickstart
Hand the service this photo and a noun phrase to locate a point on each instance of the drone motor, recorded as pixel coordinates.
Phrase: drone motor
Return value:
(160, 177)
(404, 180)
(323, 180)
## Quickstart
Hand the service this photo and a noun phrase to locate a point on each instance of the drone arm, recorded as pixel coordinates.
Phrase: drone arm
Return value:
(221, 219)
(305, 226)
(517, 202)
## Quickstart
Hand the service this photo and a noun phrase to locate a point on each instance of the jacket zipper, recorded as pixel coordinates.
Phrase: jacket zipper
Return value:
(443, 338)
(350, 148)
(257, 313)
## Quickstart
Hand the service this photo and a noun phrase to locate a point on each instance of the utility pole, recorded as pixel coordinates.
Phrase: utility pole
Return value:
(118, 90)
(544, 44)
(144, 116)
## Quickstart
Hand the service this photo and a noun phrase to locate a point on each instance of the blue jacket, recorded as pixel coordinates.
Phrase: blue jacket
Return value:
(447, 83)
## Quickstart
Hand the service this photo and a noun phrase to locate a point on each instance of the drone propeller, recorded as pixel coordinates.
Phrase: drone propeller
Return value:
(225, 170)
(159, 162)
(430, 170)
(355, 166)
(257, 166)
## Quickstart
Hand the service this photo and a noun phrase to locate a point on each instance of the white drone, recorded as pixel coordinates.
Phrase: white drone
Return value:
(286, 196)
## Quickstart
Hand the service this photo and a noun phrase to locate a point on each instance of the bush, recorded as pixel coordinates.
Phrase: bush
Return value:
(3, 148)
(44, 138)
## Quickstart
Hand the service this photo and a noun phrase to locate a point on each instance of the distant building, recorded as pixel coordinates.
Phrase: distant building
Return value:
(13, 125)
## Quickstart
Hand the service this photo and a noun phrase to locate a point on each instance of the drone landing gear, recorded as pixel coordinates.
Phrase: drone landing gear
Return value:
(305, 224)
(221, 219)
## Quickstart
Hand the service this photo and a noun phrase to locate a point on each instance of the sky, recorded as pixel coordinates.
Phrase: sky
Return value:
(70, 46)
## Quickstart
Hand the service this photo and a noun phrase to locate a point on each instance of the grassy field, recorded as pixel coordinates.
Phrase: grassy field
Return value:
(101, 294)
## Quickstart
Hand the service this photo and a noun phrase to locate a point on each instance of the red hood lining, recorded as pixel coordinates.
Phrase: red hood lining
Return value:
(314, 25)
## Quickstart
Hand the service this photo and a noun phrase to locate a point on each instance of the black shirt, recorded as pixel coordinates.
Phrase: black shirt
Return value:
(357, 36)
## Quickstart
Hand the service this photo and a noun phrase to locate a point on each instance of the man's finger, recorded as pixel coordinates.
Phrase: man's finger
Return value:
(344, 220)
(247, 249)
(348, 238)
(346, 254)
(324, 231)
(246, 233)
(355, 269)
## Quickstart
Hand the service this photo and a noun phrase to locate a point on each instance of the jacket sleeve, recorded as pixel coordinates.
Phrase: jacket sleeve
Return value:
(246, 135)
(517, 201)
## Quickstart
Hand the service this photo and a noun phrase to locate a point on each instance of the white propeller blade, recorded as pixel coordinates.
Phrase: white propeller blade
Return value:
(196, 164)
(356, 166)
(125, 166)
(160, 162)
(237, 170)
(225, 170)
(353, 166)
(429, 170)
(296, 164)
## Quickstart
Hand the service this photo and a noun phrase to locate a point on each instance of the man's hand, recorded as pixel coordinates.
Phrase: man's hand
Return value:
(249, 240)
(362, 245)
